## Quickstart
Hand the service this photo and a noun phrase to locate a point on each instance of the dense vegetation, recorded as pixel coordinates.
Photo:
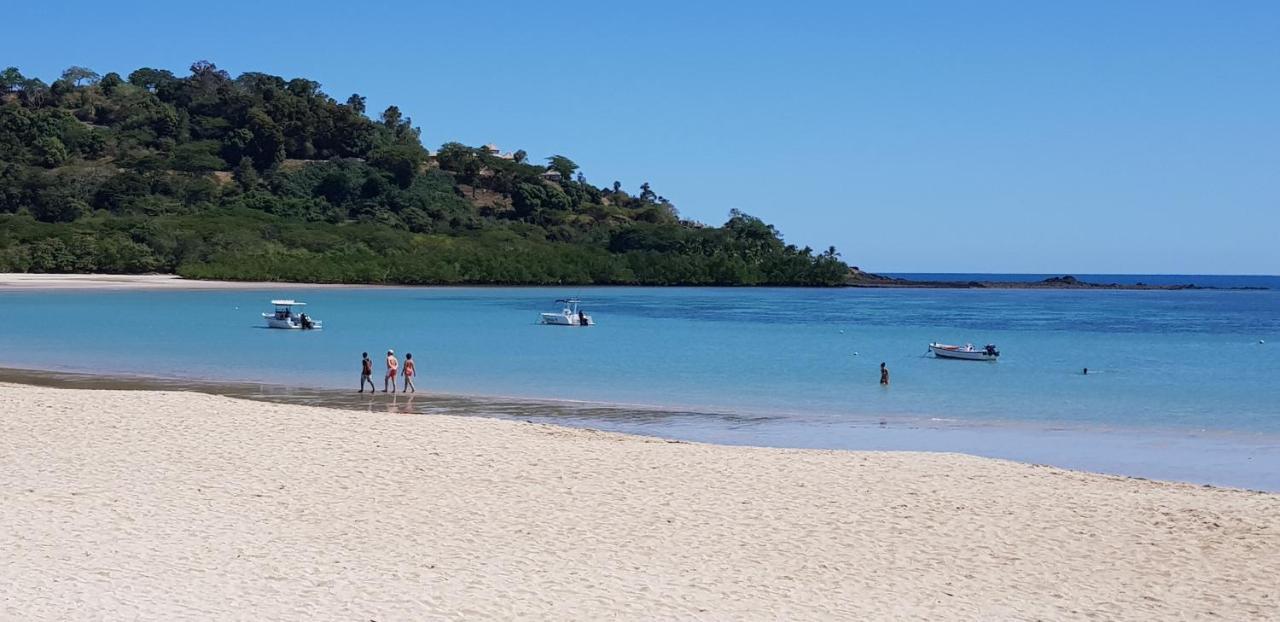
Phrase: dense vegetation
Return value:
(259, 177)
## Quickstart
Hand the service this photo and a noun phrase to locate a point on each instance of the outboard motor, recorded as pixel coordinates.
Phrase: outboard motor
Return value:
(991, 350)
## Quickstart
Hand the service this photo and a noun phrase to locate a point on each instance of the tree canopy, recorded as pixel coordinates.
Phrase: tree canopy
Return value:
(261, 177)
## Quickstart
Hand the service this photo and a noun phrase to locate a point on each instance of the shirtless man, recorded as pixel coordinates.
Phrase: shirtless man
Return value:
(392, 366)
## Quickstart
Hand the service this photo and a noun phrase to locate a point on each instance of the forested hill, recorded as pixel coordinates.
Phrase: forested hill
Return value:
(258, 177)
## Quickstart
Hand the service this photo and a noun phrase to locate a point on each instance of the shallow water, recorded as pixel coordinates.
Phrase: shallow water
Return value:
(788, 367)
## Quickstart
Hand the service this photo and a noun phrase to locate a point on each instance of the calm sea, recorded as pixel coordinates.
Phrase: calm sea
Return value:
(1181, 384)
(1199, 280)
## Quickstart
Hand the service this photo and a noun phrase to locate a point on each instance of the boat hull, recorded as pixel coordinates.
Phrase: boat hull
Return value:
(956, 352)
(290, 323)
(561, 319)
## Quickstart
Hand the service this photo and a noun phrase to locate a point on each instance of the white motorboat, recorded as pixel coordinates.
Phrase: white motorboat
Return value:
(570, 315)
(284, 317)
(965, 352)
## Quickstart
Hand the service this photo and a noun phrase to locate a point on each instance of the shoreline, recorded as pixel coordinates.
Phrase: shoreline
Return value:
(1138, 453)
(119, 501)
(24, 281)
(15, 281)
(276, 392)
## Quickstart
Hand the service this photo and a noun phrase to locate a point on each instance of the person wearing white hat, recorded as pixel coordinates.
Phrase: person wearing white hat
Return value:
(392, 366)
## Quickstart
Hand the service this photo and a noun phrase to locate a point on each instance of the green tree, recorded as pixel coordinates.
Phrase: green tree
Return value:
(455, 157)
(110, 83)
(392, 118)
(401, 161)
(34, 93)
(152, 79)
(245, 175)
(562, 165)
(197, 157)
(59, 207)
(528, 198)
(207, 76)
(50, 151)
(78, 76)
(11, 80)
(266, 146)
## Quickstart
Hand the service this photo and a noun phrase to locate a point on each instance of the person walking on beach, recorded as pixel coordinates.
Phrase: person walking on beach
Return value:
(884, 375)
(366, 373)
(392, 366)
(409, 373)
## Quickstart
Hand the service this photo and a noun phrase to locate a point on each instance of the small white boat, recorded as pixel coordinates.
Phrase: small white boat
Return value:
(965, 352)
(284, 317)
(570, 315)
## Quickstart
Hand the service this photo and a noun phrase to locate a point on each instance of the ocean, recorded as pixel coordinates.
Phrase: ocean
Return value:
(1181, 384)
(1223, 281)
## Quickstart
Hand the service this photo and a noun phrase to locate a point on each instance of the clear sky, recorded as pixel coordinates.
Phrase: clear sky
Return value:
(1067, 137)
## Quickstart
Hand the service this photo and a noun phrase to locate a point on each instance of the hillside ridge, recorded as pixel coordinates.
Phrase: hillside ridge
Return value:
(259, 177)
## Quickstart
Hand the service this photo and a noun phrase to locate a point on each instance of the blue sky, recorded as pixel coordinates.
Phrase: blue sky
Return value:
(1136, 136)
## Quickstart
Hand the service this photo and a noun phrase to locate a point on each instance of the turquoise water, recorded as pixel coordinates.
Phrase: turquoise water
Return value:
(794, 367)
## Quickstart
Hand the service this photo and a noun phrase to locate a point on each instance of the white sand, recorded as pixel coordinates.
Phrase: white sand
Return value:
(16, 280)
(154, 505)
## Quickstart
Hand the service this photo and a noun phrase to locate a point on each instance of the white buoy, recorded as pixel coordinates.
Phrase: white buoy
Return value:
(841, 331)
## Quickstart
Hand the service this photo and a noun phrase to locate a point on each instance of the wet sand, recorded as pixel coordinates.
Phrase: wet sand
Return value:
(1217, 459)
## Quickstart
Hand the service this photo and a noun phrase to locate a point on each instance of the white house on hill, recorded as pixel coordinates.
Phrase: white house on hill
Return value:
(493, 150)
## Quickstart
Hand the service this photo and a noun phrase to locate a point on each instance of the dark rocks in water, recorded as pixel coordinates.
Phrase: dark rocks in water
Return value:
(857, 278)
(1064, 280)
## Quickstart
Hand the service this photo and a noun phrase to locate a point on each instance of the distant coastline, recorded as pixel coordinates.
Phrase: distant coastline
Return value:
(858, 278)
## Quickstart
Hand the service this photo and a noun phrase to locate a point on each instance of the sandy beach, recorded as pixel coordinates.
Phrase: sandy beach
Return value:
(16, 280)
(171, 505)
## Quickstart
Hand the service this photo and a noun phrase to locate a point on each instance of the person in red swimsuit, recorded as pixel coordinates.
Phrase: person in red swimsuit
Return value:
(409, 373)
(392, 366)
